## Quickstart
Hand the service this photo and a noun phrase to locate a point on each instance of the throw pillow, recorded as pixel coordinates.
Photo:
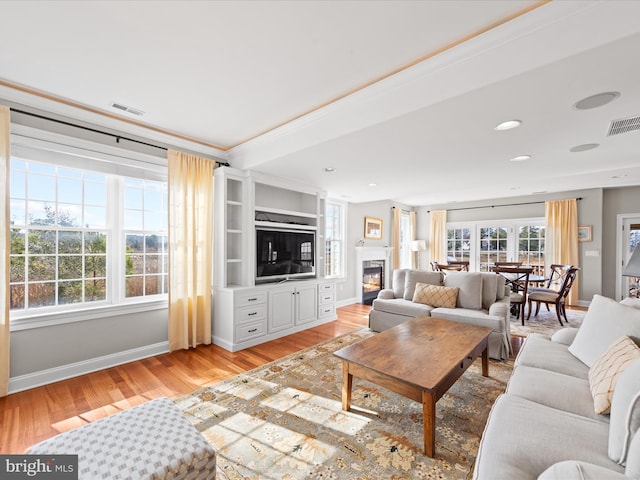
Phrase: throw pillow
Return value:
(470, 285)
(435, 296)
(624, 421)
(415, 276)
(605, 321)
(605, 372)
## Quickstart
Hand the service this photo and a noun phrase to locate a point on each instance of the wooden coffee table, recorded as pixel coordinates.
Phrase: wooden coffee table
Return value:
(419, 359)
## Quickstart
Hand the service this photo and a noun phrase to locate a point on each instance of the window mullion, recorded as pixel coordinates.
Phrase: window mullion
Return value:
(115, 273)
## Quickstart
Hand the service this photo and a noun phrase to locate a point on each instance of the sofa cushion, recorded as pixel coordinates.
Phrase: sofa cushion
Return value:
(399, 306)
(470, 285)
(605, 321)
(523, 438)
(625, 412)
(633, 458)
(606, 370)
(572, 470)
(489, 287)
(435, 295)
(472, 317)
(415, 276)
(500, 287)
(555, 390)
(398, 282)
(565, 335)
(540, 352)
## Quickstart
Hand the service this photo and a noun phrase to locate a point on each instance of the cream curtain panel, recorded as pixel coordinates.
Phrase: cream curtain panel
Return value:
(438, 236)
(4, 261)
(190, 249)
(562, 237)
(395, 241)
(414, 257)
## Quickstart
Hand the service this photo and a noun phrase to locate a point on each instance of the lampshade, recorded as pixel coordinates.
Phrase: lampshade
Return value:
(633, 265)
(418, 245)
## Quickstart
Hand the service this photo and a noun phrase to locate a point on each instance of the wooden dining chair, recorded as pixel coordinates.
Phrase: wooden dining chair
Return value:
(508, 264)
(463, 263)
(434, 266)
(518, 279)
(556, 297)
(444, 267)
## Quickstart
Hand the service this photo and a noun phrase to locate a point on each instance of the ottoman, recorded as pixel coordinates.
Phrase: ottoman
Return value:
(151, 441)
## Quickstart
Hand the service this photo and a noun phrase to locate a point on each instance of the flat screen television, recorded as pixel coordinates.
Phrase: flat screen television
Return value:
(284, 254)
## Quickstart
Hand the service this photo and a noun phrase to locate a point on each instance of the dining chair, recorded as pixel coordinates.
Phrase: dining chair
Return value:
(556, 297)
(444, 266)
(508, 264)
(463, 263)
(518, 279)
(557, 274)
(434, 266)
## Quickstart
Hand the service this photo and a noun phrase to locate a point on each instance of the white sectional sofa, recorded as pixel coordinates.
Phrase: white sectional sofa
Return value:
(545, 425)
(481, 300)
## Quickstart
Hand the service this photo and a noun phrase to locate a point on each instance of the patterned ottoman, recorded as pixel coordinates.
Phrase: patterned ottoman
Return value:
(151, 441)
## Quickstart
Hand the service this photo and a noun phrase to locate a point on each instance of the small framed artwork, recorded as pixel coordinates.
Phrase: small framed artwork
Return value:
(373, 228)
(584, 233)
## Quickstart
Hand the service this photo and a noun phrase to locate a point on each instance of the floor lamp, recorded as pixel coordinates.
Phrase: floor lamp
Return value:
(418, 246)
(633, 266)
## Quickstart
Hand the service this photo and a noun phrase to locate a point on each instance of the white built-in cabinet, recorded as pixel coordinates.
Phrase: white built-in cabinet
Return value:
(246, 313)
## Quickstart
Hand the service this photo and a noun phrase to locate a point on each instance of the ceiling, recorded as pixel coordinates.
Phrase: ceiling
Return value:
(401, 94)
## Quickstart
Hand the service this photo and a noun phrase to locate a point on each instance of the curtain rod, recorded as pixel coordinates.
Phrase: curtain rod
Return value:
(494, 206)
(94, 130)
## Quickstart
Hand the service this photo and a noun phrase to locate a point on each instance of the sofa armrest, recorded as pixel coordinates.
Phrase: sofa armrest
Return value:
(565, 335)
(500, 309)
(386, 293)
(574, 470)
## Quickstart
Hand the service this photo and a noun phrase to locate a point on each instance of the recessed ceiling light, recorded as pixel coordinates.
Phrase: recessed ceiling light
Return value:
(584, 147)
(508, 125)
(595, 101)
(373, 184)
(520, 158)
(329, 169)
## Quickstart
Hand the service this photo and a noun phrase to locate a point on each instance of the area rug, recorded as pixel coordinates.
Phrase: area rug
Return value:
(545, 323)
(284, 421)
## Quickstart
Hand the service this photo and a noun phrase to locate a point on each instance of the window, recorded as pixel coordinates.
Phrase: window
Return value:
(81, 236)
(335, 220)
(459, 244)
(406, 236)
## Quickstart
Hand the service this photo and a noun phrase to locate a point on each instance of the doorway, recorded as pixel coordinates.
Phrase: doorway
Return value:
(628, 239)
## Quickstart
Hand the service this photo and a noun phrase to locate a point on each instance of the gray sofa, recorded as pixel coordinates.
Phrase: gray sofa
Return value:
(481, 300)
(545, 425)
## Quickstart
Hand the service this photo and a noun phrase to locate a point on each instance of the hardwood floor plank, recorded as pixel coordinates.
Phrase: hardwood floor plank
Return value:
(34, 415)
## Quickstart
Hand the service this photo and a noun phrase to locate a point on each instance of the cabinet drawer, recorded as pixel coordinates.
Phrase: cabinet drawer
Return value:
(247, 300)
(326, 298)
(251, 330)
(326, 311)
(256, 312)
(326, 287)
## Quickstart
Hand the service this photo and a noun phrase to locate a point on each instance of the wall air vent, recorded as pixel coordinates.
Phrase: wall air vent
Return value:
(124, 108)
(624, 125)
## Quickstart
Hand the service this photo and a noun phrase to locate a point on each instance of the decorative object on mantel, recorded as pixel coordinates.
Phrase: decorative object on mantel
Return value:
(633, 270)
(285, 420)
(373, 228)
(585, 233)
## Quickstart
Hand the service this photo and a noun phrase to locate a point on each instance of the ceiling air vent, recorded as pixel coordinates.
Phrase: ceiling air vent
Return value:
(124, 108)
(624, 125)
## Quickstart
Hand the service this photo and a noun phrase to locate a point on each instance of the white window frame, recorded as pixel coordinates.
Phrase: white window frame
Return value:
(406, 236)
(47, 147)
(342, 206)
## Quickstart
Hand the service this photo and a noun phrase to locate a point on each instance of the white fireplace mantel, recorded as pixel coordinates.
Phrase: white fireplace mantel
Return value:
(364, 254)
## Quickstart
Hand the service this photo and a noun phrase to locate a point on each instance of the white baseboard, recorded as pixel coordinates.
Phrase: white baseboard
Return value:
(50, 375)
(348, 301)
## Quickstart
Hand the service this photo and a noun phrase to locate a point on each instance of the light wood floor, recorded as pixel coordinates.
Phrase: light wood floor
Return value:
(34, 415)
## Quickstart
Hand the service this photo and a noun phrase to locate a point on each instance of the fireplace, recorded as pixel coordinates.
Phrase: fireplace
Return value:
(379, 257)
(372, 280)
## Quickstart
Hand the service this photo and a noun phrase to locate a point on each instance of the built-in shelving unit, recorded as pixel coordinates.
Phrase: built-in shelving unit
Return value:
(246, 314)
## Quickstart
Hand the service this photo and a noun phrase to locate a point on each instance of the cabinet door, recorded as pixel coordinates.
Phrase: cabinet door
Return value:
(306, 304)
(281, 309)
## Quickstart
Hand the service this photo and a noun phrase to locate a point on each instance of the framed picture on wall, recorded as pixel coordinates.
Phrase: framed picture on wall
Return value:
(373, 228)
(584, 233)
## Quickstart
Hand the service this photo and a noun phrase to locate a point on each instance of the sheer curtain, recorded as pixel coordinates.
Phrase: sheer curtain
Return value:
(562, 237)
(415, 260)
(4, 261)
(190, 249)
(438, 236)
(395, 241)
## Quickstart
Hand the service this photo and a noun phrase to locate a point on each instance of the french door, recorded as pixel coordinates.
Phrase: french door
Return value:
(628, 239)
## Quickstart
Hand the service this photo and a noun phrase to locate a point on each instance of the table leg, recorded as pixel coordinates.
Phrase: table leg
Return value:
(347, 381)
(485, 362)
(429, 420)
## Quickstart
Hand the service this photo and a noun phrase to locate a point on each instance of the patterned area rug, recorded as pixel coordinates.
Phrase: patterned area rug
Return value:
(284, 421)
(545, 322)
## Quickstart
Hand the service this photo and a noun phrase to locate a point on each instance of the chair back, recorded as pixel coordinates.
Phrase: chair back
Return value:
(557, 275)
(443, 267)
(508, 264)
(517, 278)
(464, 264)
(434, 266)
(569, 278)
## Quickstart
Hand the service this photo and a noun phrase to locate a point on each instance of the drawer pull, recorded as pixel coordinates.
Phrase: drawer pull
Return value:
(252, 299)
(252, 314)
(252, 330)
